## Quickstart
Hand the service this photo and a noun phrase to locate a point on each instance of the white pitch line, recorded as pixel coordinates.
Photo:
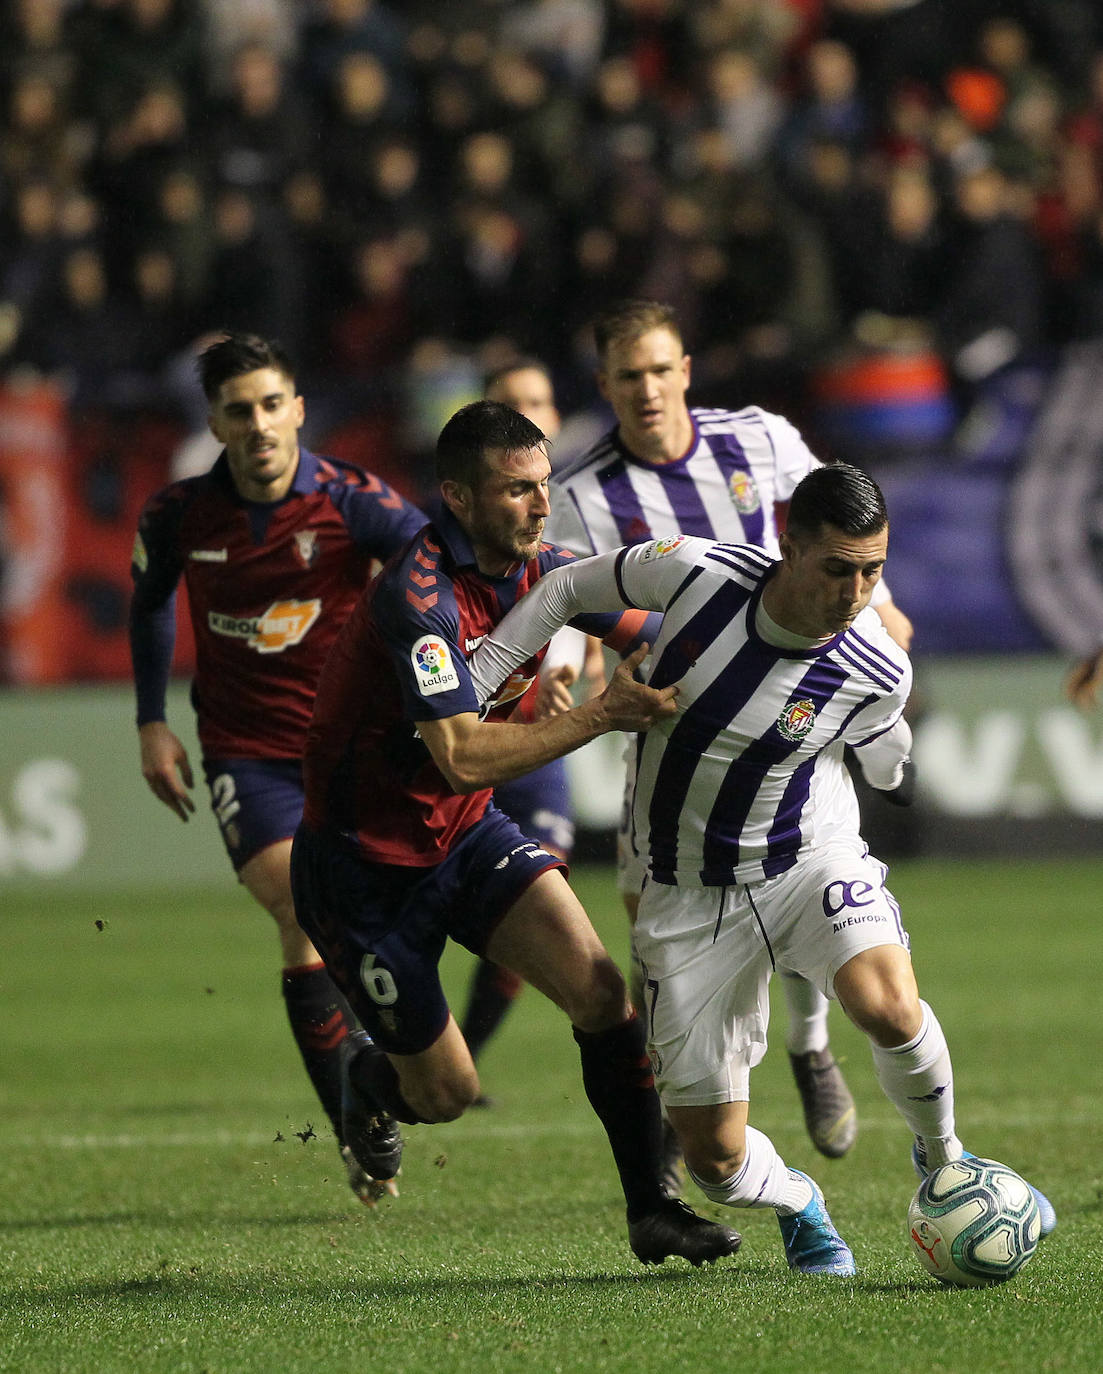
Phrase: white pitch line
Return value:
(476, 1128)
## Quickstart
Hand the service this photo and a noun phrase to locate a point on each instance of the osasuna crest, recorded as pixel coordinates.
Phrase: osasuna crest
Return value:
(796, 719)
(306, 546)
(744, 493)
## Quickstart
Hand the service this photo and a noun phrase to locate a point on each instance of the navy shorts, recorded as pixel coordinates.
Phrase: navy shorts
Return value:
(256, 802)
(540, 803)
(381, 928)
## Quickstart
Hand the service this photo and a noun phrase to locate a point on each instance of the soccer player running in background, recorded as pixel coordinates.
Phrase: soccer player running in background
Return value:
(666, 469)
(401, 847)
(748, 820)
(275, 546)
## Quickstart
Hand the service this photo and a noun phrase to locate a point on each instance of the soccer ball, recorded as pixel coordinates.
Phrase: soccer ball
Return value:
(973, 1222)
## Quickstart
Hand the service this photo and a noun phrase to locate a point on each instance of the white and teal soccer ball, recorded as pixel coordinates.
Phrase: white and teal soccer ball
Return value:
(973, 1222)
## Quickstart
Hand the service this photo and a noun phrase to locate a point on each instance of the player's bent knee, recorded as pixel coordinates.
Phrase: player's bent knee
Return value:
(602, 1001)
(890, 1014)
(442, 1101)
(713, 1164)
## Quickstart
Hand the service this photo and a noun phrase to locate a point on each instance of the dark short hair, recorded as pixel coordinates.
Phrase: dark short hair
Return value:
(473, 430)
(235, 354)
(523, 363)
(627, 320)
(839, 495)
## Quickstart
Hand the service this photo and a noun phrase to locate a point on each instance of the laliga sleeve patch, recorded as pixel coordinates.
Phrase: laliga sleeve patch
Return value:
(659, 548)
(433, 667)
(139, 557)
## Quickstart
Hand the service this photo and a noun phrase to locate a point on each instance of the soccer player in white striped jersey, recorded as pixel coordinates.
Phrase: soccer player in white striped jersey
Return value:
(749, 821)
(668, 468)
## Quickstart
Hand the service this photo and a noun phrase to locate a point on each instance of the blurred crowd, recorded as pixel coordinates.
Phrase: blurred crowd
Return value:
(405, 192)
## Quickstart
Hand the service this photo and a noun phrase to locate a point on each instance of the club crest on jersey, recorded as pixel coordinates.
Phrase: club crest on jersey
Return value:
(282, 625)
(306, 546)
(659, 548)
(796, 719)
(744, 493)
(433, 667)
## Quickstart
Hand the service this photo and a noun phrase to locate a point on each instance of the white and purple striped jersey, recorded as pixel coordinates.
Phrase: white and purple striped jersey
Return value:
(749, 773)
(739, 466)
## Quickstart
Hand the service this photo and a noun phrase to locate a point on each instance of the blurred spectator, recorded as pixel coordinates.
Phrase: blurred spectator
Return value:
(33, 39)
(253, 282)
(372, 333)
(30, 245)
(991, 310)
(766, 31)
(744, 106)
(163, 324)
(842, 202)
(628, 126)
(655, 39)
(897, 40)
(564, 34)
(829, 105)
(360, 115)
(903, 263)
(37, 137)
(127, 45)
(227, 28)
(262, 133)
(86, 341)
(545, 125)
(137, 153)
(501, 282)
(340, 28)
(182, 222)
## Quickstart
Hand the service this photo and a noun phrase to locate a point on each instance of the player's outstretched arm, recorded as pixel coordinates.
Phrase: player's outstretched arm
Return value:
(473, 754)
(1082, 682)
(166, 768)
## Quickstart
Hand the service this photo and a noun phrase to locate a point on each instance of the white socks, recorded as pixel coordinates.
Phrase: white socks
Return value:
(807, 1008)
(918, 1080)
(763, 1181)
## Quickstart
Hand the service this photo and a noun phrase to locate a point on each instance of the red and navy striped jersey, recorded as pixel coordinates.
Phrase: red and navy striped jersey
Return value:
(269, 586)
(402, 658)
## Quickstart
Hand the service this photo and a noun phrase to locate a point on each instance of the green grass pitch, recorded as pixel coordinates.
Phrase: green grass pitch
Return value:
(159, 1210)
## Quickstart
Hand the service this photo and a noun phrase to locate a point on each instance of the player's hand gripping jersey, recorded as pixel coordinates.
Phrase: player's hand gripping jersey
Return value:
(725, 787)
(268, 587)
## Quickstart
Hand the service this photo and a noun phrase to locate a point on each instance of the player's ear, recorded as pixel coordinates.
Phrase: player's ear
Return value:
(214, 425)
(456, 496)
(602, 383)
(687, 367)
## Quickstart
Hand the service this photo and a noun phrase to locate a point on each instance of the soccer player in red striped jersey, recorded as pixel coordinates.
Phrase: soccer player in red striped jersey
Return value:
(275, 546)
(401, 847)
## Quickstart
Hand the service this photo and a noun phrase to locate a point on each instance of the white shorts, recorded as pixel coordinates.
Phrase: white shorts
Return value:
(708, 953)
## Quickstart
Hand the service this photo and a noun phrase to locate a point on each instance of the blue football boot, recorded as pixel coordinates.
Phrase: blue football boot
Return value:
(812, 1245)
